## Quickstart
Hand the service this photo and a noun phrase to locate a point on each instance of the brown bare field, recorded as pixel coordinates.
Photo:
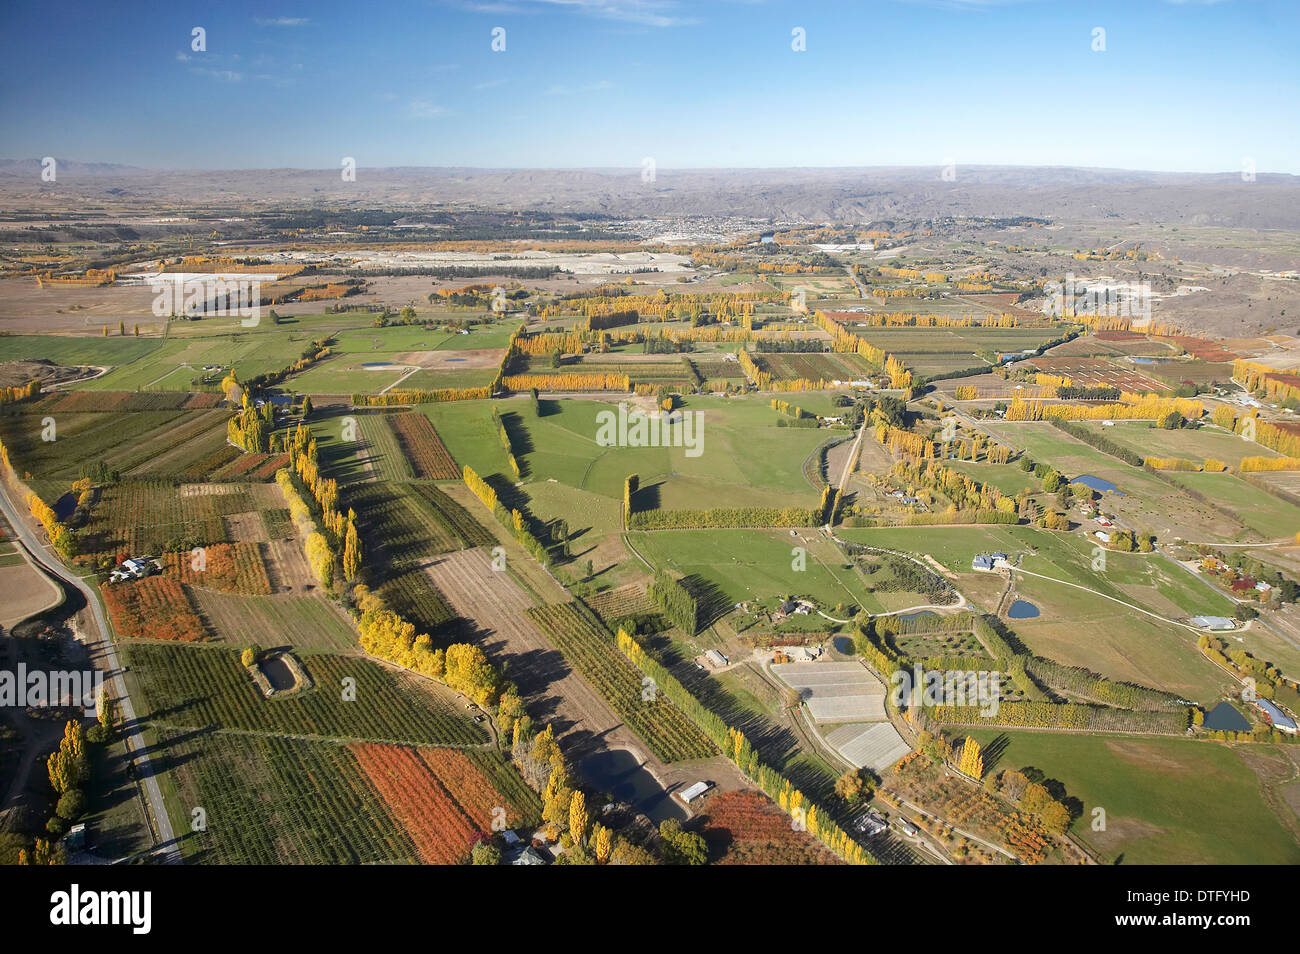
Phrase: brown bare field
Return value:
(246, 527)
(468, 359)
(27, 308)
(27, 591)
(287, 567)
(555, 693)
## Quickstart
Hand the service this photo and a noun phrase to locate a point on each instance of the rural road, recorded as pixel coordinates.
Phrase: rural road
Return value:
(167, 849)
(863, 292)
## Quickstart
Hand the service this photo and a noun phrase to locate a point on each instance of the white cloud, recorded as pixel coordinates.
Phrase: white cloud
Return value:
(225, 76)
(281, 21)
(424, 109)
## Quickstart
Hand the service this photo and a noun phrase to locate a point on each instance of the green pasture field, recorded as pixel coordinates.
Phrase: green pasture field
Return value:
(86, 350)
(1192, 444)
(431, 380)
(1008, 478)
(177, 364)
(746, 460)
(1166, 801)
(393, 339)
(469, 433)
(758, 564)
(343, 375)
(1267, 515)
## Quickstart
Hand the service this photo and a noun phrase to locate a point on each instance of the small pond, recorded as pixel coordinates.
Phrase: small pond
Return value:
(278, 673)
(1098, 484)
(64, 506)
(1225, 717)
(619, 773)
(1021, 609)
(371, 365)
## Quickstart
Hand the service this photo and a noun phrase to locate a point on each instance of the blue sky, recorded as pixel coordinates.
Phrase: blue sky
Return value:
(1194, 86)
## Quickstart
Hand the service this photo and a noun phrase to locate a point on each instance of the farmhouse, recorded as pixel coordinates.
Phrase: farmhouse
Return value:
(982, 563)
(136, 568)
(1102, 535)
(716, 658)
(871, 824)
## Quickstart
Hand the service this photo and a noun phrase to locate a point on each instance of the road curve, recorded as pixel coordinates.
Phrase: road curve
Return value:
(167, 849)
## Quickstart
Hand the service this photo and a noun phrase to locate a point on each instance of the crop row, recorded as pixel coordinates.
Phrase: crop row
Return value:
(424, 449)
(352, 698)
(153, 608)
(590, 649)
(441, 830)
(227, 567)
(271, 800)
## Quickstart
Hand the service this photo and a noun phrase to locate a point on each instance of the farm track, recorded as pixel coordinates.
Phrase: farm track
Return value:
(584, 723)
(166, 844)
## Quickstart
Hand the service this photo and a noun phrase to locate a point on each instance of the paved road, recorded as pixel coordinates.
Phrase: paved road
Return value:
(167, 849)
(863, 291)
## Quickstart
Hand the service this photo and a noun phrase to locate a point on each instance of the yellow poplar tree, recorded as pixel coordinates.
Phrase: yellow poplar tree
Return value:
(972, 761)
(578, 818)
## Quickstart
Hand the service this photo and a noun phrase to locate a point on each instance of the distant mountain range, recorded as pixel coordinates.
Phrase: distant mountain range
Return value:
(1272, 201)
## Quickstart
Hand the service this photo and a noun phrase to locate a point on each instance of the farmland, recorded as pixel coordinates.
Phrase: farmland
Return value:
(591, 650)
(755, 564)
(147, 517)
(424, 450)
(153, 608)
(1120, 643)
(1154, 792)
(442, 831)
(1196, 445)
(747, 828)
(306, 624)
(938, 350)
(200, 687)
(275, 800)
(227, 567)
(814, 367)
